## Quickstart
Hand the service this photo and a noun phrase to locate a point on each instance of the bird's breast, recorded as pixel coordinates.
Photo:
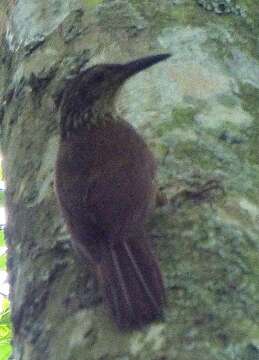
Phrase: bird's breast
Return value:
(106, 168)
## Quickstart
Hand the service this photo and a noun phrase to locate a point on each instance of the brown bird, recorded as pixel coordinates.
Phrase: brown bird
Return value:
(104, 184)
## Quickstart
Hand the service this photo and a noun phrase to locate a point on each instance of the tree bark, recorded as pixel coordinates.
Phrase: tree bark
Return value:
(199, 113)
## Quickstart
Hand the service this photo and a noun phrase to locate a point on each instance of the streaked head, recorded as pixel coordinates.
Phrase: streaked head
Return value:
(94, 89)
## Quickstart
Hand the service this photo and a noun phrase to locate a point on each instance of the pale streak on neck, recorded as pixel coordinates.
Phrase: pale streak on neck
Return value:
(102, 109)
(97, 116)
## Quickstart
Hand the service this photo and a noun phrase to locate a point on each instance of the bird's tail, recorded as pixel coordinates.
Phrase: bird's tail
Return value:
(132, 283)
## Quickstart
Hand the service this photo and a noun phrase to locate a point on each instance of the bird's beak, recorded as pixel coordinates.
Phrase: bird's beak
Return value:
(133, 67)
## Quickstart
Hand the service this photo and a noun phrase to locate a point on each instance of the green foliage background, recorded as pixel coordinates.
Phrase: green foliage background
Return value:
(5, 332)
(5, 320)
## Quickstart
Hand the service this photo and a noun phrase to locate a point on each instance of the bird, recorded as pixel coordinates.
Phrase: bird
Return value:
(104, 181)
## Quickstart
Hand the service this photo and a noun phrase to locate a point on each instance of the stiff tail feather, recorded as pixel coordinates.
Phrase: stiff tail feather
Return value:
(132, 283)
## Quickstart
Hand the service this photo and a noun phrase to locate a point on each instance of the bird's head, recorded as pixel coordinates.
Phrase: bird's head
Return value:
(90, 95)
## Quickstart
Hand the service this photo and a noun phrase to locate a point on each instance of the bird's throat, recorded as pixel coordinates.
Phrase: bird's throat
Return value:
(96, 116)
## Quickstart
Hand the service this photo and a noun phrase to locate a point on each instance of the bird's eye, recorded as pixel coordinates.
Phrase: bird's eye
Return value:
(99, 77)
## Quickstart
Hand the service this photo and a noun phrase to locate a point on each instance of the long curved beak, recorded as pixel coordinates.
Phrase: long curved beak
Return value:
(133, 67)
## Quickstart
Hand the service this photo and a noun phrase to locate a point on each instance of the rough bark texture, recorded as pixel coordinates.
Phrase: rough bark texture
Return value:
(199, 113)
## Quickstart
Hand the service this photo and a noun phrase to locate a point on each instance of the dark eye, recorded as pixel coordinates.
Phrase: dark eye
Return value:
(98, 77)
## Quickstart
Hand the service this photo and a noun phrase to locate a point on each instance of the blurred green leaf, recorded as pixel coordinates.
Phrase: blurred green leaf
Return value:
(5, 331)
(2, 262)
(5, 350)
(2, 240)
(5, 312)
(2, 198)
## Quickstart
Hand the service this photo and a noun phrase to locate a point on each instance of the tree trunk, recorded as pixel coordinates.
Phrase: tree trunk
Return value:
(199, 113)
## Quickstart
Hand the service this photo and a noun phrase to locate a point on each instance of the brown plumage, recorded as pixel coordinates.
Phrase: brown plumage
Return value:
(104, 183)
